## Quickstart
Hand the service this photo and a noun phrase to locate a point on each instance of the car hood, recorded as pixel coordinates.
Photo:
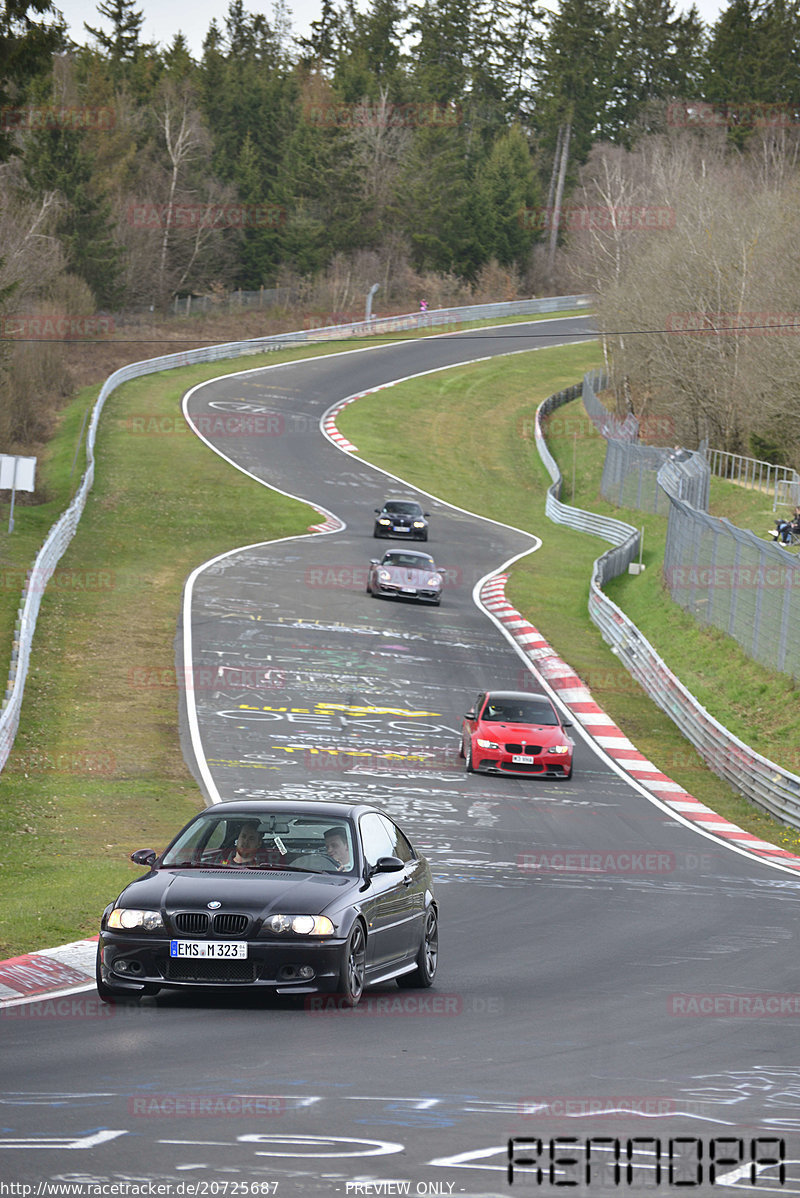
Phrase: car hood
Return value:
(545, 734)
(408, 577)
(257, 892)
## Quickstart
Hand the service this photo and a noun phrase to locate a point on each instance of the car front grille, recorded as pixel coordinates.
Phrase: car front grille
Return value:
(226, 972)
(533, 750)
(229, 924)
(198, 923)
(194, 923)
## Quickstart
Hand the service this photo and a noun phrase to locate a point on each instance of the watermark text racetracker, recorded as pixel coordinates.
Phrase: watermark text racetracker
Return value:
(757, 323)
(206, 216)
(55, 326)
(596, 217)
(409, 1006)
(223, 424)
(215, 679)
(206, 1106)
(348, 576)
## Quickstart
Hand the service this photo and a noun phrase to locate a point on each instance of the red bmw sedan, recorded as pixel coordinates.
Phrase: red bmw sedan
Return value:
(515, 732)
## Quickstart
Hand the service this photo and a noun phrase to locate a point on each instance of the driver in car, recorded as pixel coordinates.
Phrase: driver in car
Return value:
(247, 849)
(337, 848)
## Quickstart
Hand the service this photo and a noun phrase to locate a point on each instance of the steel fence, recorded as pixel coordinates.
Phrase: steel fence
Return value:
(782, 483)
(729, 578)
(606, 423)
(770, 786)
(64, 529)
(631, 470)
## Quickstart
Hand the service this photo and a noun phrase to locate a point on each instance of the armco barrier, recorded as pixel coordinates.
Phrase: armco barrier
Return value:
(766, 784)
(63, 530)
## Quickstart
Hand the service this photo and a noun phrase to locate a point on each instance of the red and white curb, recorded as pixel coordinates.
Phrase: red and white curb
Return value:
(330, 429)
(47, 972)
(329, 419)
(329, 524)
(575, 695)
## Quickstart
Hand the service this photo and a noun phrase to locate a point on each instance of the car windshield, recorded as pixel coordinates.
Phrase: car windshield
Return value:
(518, 711)
(289, 840)
(414, 561)
(399, 508)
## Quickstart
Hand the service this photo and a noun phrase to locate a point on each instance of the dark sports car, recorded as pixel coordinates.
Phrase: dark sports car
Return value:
(297, 898)
(405, 574)
(515, 732)
(401, 518)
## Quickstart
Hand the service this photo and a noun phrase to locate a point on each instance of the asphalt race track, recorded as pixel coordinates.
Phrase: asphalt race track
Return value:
(649, 1010)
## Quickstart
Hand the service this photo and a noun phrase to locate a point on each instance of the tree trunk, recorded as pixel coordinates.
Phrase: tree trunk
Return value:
(562, 174)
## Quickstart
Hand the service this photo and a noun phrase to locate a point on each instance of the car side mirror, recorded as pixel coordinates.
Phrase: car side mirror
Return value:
(566, 723)
(388, 865)
(377, 511)
(146, 857)
(426, 514)
(374, 561)
(470, 715)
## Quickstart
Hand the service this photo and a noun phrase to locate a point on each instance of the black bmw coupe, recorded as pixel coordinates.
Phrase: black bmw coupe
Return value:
(401, 518)
(297, 898)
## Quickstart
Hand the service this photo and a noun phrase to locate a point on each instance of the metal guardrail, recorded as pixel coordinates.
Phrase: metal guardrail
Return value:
(63, 530)
(763, 782)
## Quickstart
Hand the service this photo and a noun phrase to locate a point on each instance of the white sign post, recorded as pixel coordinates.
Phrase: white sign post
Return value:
(16, 474)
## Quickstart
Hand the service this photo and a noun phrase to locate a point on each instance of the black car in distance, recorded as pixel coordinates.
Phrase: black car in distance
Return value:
(403, 518)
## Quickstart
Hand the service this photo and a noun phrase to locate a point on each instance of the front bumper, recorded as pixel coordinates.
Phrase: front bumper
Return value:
(392, 591)
(550, 765)
(135, 963)
(403, 534)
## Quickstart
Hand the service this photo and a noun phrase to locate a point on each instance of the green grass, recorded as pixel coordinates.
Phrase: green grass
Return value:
(470, 430)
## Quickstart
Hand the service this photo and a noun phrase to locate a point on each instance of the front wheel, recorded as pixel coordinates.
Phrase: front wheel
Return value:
(468, 758)
(427, 956)
(354, 964)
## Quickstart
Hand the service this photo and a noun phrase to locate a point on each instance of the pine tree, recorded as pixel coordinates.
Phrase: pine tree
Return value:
(510, 191)
(443, 53)
(27, 42)
(57, 160)
(658, 56)
(122, 43)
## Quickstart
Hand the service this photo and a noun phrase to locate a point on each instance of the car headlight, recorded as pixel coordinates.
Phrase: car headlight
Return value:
(435, 580)
(130, 919)
(301, 925)
(384, 520)
(418, 524)
(384, 575)
(560, 749)
(487, 744)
